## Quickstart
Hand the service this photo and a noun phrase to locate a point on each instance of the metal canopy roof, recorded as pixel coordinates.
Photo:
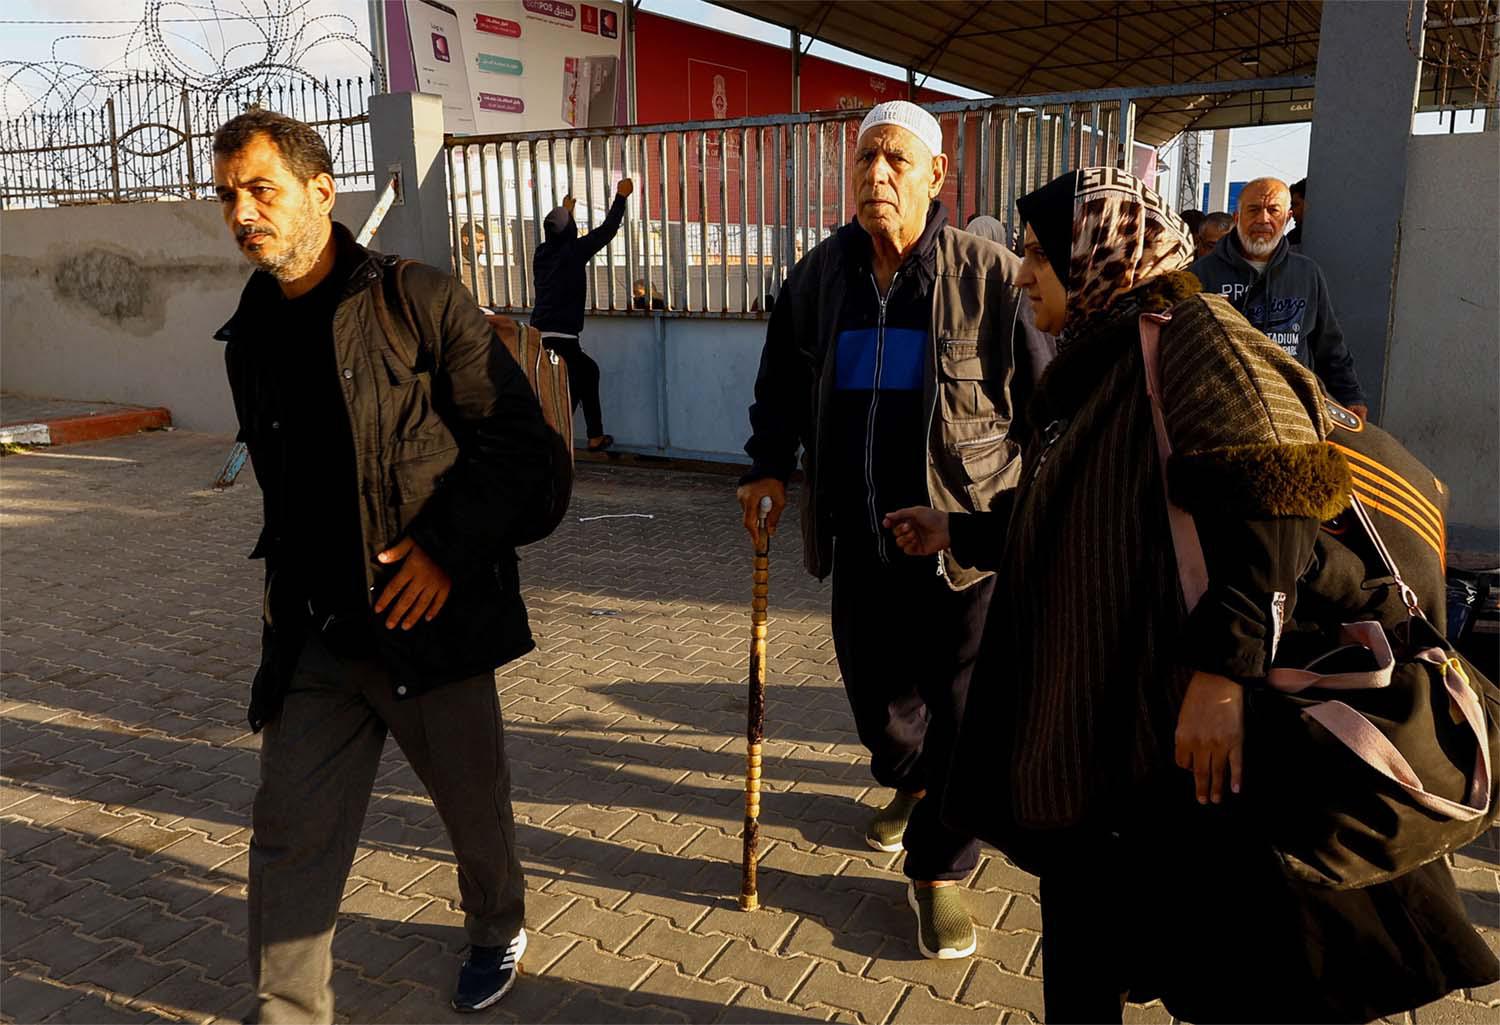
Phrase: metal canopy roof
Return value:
(1052, 46)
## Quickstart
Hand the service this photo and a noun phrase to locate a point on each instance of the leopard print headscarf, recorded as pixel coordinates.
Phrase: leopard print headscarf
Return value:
(1123, 235)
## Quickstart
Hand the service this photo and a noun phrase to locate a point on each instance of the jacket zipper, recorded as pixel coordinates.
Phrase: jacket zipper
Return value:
(986, 440)
(942, 569)
(874, 406)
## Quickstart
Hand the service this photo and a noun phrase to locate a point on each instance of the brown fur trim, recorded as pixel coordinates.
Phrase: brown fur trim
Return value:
(1163, 293)
(1257, 481)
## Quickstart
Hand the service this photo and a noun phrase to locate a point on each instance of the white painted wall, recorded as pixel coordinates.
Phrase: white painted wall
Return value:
(119, 303)
(1442, 395)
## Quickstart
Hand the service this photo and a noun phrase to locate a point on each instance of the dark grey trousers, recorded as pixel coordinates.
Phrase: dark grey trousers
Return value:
(318, 761)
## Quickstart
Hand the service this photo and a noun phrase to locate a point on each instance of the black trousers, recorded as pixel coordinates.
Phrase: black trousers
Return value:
(318, 761)
(583, 380)
(906, 645)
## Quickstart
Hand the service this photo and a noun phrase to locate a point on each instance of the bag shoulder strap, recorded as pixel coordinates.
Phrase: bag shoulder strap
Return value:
(406, 342)
(1192, 569)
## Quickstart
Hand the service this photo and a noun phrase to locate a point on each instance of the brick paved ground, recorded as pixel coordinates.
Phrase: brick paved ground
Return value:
(129, 637)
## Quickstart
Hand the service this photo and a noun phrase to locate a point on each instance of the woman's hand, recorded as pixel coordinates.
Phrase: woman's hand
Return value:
(1211, 735)
(919, 530)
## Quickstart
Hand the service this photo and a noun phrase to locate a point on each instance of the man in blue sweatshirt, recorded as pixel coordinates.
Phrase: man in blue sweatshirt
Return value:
(1280, 292)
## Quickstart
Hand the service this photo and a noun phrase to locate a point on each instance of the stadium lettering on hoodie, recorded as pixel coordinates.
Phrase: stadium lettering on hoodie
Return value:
(1282, 322)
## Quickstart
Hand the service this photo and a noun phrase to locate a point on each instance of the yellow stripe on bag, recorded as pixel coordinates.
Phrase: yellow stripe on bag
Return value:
(1393, 478)
(1384, 491)
(1375, 503)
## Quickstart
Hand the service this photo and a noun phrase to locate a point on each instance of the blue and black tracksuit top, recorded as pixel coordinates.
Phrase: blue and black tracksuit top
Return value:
(879, 431)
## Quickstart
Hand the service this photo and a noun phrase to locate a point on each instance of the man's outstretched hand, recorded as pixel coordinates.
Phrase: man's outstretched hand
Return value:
(625, 188)
(418, 591)
(919, 530)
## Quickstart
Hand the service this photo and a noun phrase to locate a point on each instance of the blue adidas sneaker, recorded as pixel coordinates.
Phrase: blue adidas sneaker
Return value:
(487, 974)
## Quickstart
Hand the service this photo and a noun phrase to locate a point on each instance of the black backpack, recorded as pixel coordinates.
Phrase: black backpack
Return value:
(545, 372)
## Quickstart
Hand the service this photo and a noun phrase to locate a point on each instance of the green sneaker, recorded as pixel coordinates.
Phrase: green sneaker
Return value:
(886, 828)
(944, 928)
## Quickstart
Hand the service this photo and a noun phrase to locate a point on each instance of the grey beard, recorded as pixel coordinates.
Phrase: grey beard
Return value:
(1259, 250)
(300, 254)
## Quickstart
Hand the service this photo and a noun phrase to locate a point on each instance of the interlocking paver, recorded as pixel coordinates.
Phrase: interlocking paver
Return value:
(587, 963)
(27, 996)
(610, 929)
(920, 1007)
(752, 1007)
(871, 1001)
(689, 952)
(128, 773)
(988, 984)
(779, 976)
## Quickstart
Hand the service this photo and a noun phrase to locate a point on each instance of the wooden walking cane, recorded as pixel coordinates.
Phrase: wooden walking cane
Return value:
(756, 707)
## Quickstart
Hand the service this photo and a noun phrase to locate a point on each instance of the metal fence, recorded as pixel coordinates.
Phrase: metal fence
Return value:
(723, 209)
(152, 136)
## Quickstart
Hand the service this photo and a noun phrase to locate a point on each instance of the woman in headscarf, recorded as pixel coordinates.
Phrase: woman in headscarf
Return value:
(1040, 346)
(1117, 717)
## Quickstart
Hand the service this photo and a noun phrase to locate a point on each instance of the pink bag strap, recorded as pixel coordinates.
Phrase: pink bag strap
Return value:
(1373, 748)
(1192, 570)
(1368, 635)
(1343, 722)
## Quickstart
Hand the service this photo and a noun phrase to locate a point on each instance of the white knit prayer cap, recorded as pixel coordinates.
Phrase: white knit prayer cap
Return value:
(913, 118)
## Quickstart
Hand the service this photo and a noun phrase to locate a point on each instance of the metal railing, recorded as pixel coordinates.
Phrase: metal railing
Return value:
(723, 209)
(152, 139)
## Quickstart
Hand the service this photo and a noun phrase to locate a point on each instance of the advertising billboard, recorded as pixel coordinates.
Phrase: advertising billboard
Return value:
(512, 65)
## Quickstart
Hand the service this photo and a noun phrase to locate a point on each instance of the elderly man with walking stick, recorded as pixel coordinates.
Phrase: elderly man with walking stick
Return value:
(890, 362)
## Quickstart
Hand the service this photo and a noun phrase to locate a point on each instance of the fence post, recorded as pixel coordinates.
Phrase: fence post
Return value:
(187, 139)
(114, 147)
(1127, 134)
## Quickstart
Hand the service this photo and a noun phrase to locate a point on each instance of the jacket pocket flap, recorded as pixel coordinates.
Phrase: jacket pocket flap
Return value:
(418, 477)
(960, 360)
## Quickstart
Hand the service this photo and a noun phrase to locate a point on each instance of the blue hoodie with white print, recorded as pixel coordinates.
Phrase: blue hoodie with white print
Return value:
(1289, 303)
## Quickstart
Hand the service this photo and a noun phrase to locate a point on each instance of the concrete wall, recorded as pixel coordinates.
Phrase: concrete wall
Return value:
(1366, 92)
(119, 303)
(675, 386)
(1444, 368)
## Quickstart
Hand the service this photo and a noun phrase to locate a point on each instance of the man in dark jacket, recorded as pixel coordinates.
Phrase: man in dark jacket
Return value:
(1282, 293)
(1298, 190)
(399, 450)
(889, 361)
(561, 269)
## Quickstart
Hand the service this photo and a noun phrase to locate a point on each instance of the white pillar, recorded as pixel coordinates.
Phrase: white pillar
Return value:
(1218, 174)
(406, 135)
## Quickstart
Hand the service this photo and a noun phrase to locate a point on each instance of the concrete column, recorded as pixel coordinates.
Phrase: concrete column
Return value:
(1218, 174)
(1367, 91)
(406, 135)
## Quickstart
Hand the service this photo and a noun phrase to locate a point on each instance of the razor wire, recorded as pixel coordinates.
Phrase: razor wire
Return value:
(139, 126)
